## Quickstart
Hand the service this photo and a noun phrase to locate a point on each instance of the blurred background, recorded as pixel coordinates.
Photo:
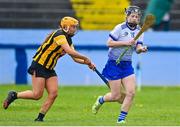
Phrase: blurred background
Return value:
(24, 24)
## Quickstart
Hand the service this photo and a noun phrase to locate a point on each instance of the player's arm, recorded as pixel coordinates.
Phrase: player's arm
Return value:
(74, 53)
(140, 48)
(81, 61)
(62, 41)
(77, 60)
(113, 43)
(78, 57)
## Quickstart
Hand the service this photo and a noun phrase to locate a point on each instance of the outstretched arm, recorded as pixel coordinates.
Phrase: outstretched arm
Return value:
(73, 53)
(77, 57)
(80, 61)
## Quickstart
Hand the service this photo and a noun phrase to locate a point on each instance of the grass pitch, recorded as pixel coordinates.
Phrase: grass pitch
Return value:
(153, 106)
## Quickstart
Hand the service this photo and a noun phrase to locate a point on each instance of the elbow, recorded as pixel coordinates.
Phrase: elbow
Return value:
(109, 44)
(73, 59)
(69, 52)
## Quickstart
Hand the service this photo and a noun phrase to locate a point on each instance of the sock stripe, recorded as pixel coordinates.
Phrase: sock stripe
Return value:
(101, 100)
(123, 112)
(122, 116)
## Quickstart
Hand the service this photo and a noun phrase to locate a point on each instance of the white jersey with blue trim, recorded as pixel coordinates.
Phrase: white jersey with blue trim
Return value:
(122, 32)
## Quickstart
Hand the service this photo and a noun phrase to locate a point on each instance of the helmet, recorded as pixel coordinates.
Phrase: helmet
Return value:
(68, 21)
(133, 9)
(129, 11)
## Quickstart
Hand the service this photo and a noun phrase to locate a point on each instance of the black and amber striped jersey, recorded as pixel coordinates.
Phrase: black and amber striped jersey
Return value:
(50, 51)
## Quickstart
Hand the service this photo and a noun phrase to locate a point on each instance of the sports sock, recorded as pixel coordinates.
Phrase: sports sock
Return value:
(101, 100)
(122, 116)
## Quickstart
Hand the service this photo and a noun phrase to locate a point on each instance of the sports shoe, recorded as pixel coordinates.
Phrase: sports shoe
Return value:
(121, 121)
(96, 106)
(12, 95)
(38, 120)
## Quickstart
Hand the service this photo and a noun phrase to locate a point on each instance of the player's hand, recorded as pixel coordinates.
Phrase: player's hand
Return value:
(92, 66)
(142, 49)
(131, 42)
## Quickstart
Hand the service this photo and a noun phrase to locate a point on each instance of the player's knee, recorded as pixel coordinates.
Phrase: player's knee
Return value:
(115, 97)
(53, 95)
(130, 94)
(122, 97)
(37, 96)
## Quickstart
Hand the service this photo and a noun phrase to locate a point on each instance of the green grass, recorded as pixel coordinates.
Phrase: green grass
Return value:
(153, 106)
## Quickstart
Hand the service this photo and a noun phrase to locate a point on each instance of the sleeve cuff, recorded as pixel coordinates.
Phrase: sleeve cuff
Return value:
(111, 36)
(139, 42)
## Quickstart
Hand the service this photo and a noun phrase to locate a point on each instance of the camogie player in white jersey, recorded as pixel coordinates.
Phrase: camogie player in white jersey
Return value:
(122, 75)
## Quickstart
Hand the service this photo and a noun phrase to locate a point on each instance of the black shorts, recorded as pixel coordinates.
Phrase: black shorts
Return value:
(40, 71)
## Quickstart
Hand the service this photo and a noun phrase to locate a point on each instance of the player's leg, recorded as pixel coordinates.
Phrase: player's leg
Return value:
(38, 85)
(52, 89)
(129, 84)
(35, 94)
(117, 93)
(123, 94)
(113, 96)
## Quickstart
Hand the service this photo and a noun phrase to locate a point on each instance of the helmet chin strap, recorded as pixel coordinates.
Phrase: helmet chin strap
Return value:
(67, 31)
(132, 25)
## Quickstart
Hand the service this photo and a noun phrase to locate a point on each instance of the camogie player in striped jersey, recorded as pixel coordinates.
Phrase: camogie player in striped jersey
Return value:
(57, 44)
(122, 75)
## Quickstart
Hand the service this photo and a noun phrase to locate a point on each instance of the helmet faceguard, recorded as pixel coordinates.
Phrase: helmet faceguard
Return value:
(67, 23)
(133, 9)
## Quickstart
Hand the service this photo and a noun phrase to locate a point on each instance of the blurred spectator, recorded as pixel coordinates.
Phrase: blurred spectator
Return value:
(161, 10)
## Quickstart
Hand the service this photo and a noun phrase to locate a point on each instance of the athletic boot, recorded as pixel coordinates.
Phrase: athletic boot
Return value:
(40, 117)
(38, 120)
(121, 121)
(12, 95)
(96, 105)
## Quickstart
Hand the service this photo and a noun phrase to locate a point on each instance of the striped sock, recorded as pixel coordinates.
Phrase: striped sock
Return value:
(122, 116)
(101, 100)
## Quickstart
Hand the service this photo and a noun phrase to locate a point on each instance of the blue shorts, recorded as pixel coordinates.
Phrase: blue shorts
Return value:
(120, 71)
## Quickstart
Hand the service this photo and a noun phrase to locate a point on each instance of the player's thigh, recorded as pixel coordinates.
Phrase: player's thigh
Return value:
(38, 84)
(115, 86)
(129, 83)
(52, 85)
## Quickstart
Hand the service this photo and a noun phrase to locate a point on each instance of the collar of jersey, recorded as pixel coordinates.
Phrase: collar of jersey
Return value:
(130, 27)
